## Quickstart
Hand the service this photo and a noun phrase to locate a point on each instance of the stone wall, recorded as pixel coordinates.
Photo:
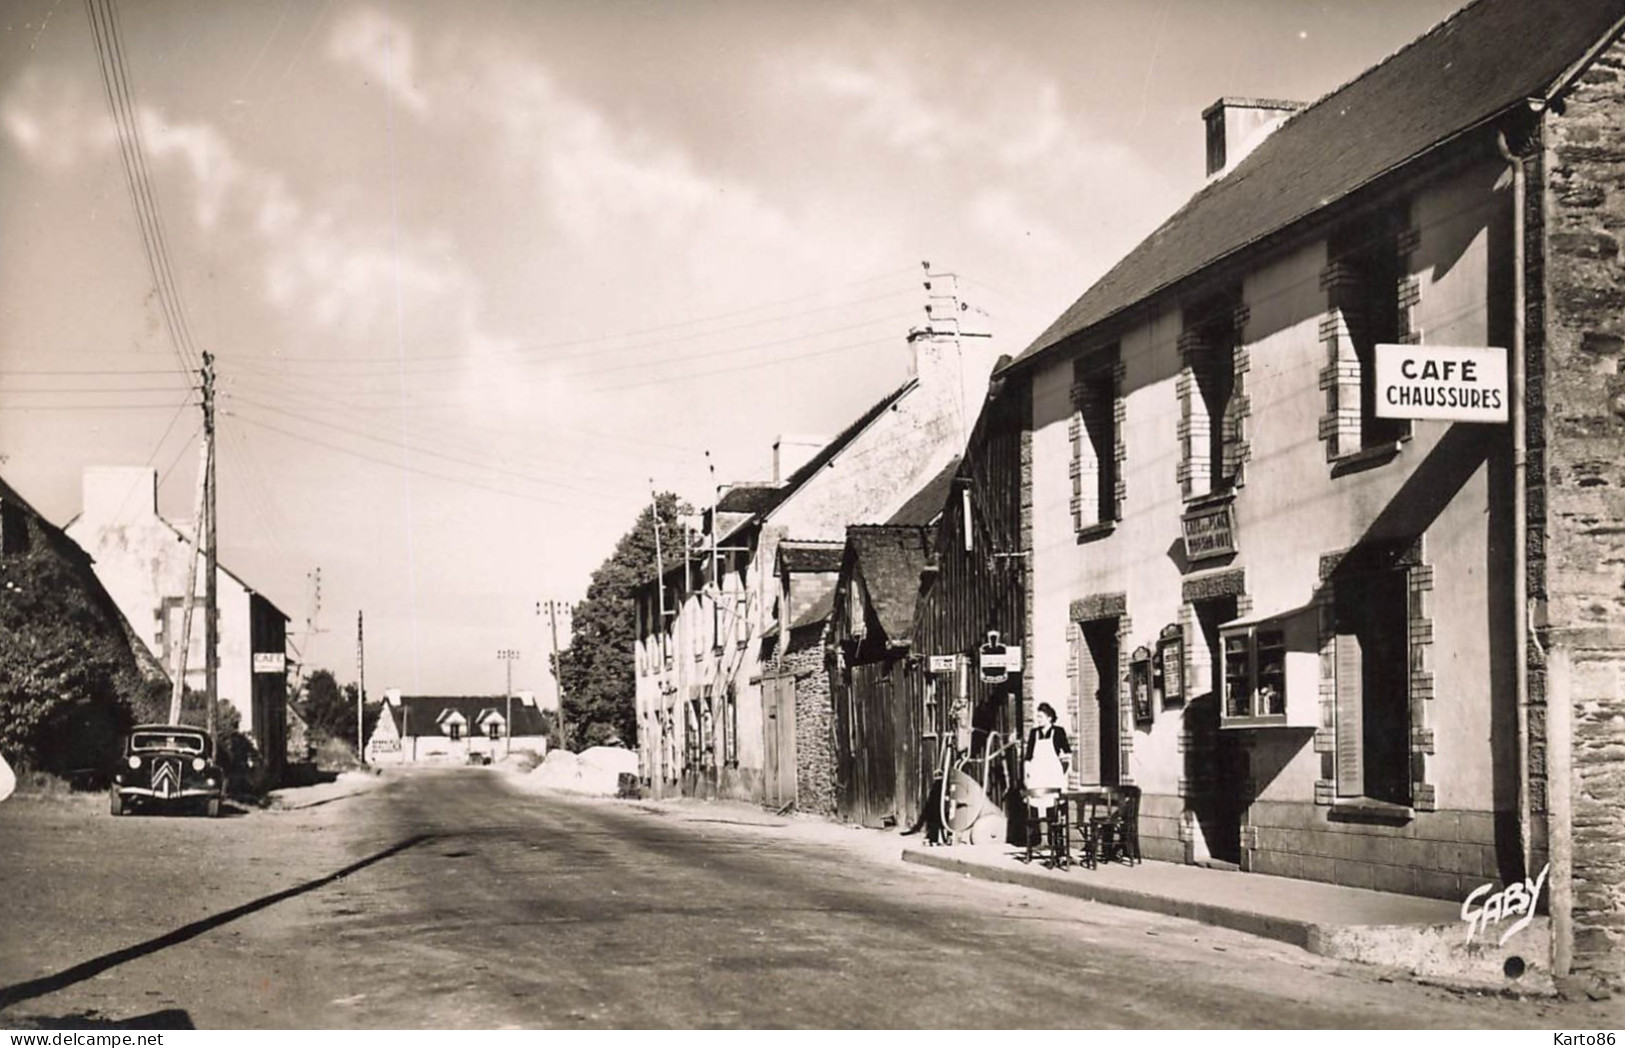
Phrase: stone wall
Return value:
(815, 739)
(1579, 569)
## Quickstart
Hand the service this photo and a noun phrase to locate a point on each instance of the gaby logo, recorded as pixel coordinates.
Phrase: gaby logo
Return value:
(1516, 899)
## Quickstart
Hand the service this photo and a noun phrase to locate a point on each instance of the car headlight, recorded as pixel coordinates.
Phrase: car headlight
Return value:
(135, 762)
(197, 763)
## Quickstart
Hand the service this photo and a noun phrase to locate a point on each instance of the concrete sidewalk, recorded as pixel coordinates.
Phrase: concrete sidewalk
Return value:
(1425, 937)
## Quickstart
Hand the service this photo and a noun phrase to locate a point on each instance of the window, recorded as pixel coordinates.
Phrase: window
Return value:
(1373, 686)
(454, 730)
(708, 752)
(730, 727)
(1095, 441)
(691, 736)
(1254, 673)
(1210, 430)
(1366, 283)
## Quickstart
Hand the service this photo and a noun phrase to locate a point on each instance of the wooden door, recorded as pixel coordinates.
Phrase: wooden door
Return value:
(778, 741)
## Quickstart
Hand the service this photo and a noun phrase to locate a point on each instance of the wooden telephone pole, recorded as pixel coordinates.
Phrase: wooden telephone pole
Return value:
(361, 686)
(554, 608)
(202, 536)
(211, 615)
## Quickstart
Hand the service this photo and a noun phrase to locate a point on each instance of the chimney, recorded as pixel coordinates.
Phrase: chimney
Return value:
(119, 494)
(1235, 127)
(792, 451)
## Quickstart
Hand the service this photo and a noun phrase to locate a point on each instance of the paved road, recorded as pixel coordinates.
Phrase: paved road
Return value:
(451, 900)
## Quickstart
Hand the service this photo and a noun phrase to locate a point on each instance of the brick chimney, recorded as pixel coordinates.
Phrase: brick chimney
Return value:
(1235, 127)
(791, 451)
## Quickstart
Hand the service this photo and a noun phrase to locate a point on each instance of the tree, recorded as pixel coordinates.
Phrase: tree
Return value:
(597, 672)
(330, 709)
(70, 680)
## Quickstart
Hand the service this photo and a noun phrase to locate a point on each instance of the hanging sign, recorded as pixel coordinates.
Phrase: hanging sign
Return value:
(997, 660)
(270, 662)
(1457, 383)
(940, 663)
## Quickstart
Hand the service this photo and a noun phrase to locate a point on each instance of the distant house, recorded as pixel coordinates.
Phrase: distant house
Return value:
(448, 729)
(141, 559)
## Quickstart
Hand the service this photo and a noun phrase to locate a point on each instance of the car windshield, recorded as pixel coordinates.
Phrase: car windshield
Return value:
(166, 740)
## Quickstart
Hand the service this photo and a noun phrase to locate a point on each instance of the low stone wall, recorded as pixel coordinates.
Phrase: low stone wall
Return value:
(1439, 854)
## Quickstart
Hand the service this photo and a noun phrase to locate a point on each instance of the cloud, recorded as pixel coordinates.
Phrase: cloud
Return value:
(383, 48)
(45, 118)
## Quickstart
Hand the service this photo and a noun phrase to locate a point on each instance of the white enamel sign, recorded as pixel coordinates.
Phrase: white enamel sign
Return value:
(1456, 383)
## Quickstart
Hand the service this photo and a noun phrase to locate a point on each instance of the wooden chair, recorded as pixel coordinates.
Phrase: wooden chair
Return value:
(1117, 834)
(1048, 835)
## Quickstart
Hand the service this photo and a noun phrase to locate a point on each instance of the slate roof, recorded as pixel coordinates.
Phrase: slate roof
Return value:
(1487, 57)
(890, 558)
(810, 556)
(818, 613)
(749, 498)
(810, 468)
(925, 505)
(426, 711)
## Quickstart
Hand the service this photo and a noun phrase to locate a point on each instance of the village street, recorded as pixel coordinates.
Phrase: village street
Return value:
(461, 902)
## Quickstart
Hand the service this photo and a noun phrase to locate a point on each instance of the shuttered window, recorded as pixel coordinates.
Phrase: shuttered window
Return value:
(1373, 687)
(1086, 685)
(1350, 720)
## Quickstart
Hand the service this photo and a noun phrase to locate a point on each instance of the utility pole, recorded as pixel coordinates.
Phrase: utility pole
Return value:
(178, 689)
(554, 607)
(361, 685)
(508, 655)
(211, 615)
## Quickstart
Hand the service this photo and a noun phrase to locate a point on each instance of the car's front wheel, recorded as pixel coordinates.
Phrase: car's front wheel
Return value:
(116, 803)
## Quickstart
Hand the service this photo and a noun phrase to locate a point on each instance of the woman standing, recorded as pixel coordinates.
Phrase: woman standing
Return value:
(1048, 754)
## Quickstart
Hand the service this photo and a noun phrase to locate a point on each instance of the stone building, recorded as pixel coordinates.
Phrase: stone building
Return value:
(702, 707)
(1328, 643)
(141, 559)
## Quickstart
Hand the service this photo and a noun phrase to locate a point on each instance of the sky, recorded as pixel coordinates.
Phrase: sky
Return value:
(476, 273)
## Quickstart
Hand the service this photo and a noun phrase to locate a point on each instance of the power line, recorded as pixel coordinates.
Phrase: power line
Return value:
(408, 447)
(386, 361)
(418, 470)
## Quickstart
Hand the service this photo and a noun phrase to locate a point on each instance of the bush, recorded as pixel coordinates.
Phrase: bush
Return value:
(336, 755)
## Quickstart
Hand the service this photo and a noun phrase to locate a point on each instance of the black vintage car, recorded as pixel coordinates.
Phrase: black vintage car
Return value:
(168, 764)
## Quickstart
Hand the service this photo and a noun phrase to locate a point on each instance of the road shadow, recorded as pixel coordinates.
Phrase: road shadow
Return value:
(10, 995)
(163, 1019)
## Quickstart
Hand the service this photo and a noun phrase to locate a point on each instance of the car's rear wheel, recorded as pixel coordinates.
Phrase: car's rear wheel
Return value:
(116, 803)
(213, 809)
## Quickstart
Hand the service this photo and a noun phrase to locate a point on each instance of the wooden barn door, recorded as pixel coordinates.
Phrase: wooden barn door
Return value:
(875, 744)
(779, 741)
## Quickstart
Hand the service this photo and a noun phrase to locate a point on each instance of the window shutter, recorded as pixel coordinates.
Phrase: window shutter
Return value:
(1085, 683)
(1350, 718)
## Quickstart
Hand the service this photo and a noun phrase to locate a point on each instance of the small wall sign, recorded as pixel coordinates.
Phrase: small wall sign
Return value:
(1209, 532)
(1171, 662)
(1139, 685)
